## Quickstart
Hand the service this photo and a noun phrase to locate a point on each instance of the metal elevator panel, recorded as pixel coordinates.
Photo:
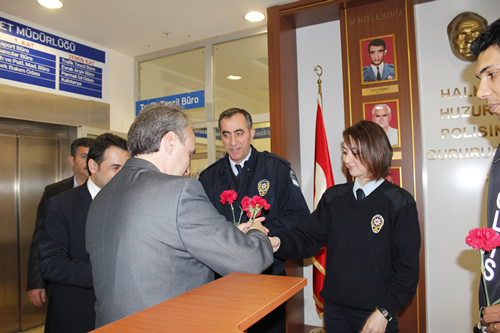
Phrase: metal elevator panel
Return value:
(39, 165)
(33, 156)
(9, 281)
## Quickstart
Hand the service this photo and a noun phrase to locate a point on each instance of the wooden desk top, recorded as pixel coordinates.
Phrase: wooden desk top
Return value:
(230, 304)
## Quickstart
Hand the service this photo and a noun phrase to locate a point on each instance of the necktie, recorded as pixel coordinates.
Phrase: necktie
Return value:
(378, 74)
(360, 194)
(238, 167)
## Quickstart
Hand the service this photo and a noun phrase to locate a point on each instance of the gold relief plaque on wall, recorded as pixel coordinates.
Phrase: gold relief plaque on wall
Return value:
(378, 58)
(462, 31)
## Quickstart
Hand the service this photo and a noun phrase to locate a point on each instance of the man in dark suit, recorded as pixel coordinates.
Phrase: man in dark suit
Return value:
(64, 261)
(152, 234)
(378, 69)
(78, 161)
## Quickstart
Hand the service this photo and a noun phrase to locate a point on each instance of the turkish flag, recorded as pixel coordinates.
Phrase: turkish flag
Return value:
(323, 179)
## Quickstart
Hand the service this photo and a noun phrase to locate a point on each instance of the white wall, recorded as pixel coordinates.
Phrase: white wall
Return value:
(454, 189)
(319, 45)
(121, 91)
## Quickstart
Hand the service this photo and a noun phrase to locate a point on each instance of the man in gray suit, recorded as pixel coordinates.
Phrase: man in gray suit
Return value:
(152, 234)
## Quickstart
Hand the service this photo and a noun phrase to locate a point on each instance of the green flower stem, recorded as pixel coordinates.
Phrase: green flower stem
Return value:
(241, 213)
(234, 220)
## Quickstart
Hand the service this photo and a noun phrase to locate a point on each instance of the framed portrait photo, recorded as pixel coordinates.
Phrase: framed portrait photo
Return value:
(394, 176)
(378, 59)
(385, 114)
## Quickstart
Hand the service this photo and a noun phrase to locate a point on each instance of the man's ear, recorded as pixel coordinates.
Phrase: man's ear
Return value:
(252, 134)
(71, 161)
(92, 166)
(168, 142)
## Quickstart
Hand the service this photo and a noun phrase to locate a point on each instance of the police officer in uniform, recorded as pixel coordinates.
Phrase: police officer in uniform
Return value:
(250, 172)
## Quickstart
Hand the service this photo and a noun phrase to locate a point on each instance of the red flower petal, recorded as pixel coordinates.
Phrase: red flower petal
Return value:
(485, 239)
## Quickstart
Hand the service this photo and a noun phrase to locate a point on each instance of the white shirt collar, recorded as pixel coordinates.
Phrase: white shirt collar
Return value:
(368, 188)
(381, 69)
(233, 163)
(93, 188)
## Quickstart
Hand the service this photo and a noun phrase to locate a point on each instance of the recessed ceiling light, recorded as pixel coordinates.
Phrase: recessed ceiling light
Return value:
(52, 4)
(254, 17)
(234, 77)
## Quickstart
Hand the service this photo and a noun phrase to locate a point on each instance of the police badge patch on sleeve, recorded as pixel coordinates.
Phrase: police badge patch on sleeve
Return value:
(263, 187)
(294, 178)
(377, 223)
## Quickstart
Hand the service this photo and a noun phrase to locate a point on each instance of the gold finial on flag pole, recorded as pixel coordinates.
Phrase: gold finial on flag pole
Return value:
(319, 72)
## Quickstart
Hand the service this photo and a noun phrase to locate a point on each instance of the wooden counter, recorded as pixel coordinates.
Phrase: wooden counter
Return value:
(230, 304)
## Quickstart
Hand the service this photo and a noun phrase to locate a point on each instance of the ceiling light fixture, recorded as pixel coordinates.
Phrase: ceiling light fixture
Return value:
(233, 77)
(254, 17)
(52, 4)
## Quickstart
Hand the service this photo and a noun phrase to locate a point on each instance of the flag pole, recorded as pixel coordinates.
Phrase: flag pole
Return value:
(323, 179)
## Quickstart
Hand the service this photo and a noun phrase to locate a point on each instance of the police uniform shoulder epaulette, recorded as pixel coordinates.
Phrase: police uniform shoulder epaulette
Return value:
(268, 154)
(338, 190)
(213, 165)
(399, 196)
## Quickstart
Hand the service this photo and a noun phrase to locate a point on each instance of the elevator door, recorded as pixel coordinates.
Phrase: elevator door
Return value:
(9, 282)
(28, 164)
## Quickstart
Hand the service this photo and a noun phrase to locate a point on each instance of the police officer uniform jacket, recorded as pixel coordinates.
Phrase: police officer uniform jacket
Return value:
(269, 176)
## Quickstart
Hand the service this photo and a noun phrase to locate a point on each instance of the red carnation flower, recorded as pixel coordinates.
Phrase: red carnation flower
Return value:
(485, 239)
(228, 196)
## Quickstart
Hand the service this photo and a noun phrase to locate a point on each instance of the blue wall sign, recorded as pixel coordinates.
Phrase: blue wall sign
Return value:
(186, 101)
(35, 57)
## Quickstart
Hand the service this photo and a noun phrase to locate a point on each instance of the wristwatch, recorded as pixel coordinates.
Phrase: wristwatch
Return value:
(385, 313)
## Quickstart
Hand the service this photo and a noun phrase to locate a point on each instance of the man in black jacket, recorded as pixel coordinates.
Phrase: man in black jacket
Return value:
(78, 161)
(487, 48)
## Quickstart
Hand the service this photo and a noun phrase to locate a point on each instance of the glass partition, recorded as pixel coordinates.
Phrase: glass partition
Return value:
(208, 69)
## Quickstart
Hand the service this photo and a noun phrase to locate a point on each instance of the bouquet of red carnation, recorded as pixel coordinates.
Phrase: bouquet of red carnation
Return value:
(484, 240)
(253, 207)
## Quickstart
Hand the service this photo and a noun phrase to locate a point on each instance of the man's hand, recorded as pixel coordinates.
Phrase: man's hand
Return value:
(491, 318)
(37, 296)
(275, 242)
(376, 323)
(257, 224)
(244, 227)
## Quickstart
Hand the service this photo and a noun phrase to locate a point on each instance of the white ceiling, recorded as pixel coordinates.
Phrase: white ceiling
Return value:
(135, 27)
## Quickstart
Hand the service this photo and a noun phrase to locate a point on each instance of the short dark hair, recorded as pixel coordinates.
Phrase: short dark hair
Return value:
(101, 143)
(232, 111)
(154, 121)
(489, 37)
(80, 142)
(376, 42)
(369, 143)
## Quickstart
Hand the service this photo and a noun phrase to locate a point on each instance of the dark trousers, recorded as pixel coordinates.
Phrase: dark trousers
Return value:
(274, 322)
(343, 320)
